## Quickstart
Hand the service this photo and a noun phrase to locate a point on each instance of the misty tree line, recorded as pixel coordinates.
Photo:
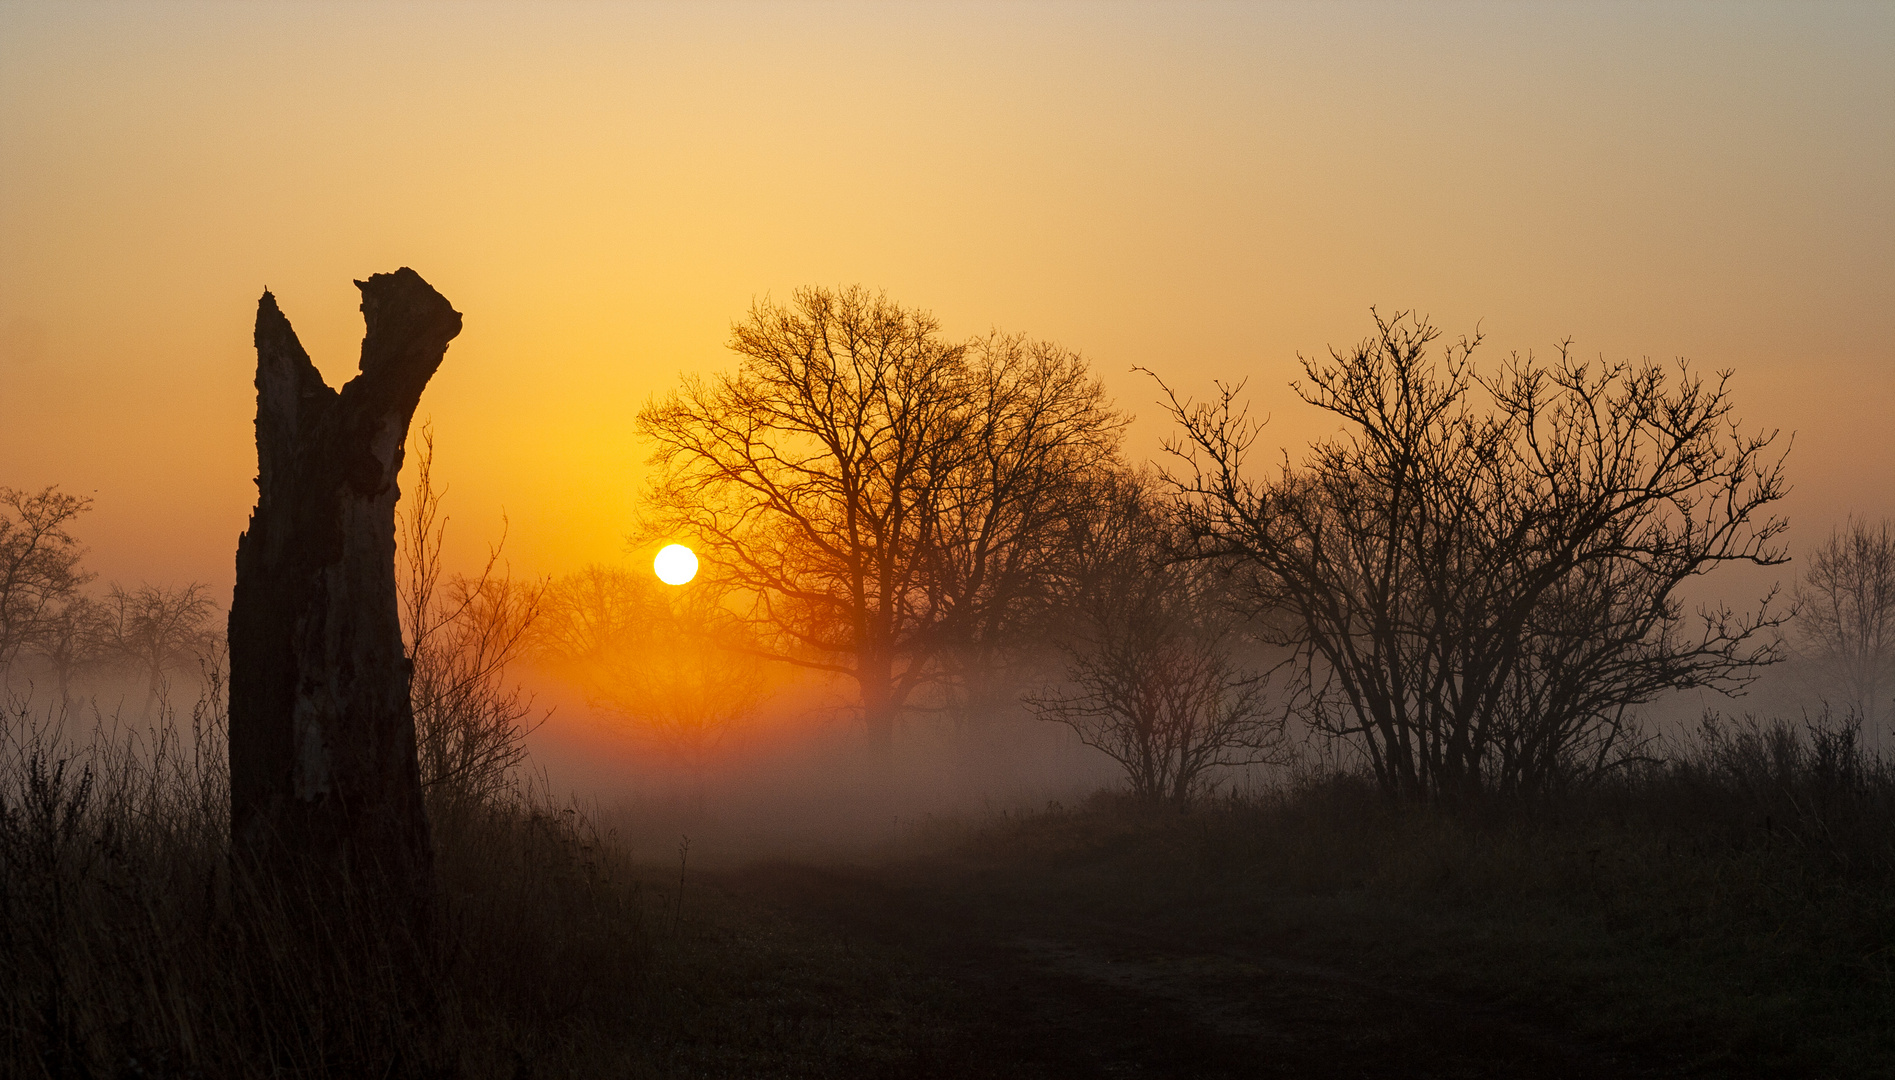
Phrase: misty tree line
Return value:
(1474, 586)
(48, 621)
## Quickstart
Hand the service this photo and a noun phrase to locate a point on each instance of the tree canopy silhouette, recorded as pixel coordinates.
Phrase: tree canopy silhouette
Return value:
(1482, 573)
(1846, 613)
(39, 564)
(880, 494)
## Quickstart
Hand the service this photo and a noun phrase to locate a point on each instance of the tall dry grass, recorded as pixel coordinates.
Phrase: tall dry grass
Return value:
(127, 949)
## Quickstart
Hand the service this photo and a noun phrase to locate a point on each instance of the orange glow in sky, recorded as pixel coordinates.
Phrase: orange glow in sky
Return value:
(1205, 190)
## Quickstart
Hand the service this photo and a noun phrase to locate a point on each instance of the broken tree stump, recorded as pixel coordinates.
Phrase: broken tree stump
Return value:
(325, 792)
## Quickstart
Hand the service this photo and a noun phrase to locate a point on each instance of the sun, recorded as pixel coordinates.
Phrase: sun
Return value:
(675, 564)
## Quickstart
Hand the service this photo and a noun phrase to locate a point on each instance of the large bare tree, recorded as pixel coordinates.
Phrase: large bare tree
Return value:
(1042, 453)
(1482, 573)
(881, 494)
(324, 786)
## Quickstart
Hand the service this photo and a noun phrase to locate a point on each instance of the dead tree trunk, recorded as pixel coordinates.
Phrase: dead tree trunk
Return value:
(325, 793)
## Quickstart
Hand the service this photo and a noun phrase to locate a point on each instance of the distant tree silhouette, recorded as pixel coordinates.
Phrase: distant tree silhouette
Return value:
(1482, 572)
(39, 564)
(673, 662)
(1845, 616)
(153, 630)
(880, 494)
(71, 640)
(1159, 676)
(595, 613)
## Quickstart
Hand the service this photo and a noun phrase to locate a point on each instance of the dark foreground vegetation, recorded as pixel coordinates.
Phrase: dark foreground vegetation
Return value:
(1728, 912)
(127, 948)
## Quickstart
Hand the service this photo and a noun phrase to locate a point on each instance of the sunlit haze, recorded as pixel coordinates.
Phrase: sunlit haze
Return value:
(1203, 190)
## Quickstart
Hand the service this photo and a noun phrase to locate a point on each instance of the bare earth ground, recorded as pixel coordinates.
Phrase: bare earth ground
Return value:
(1033, 990)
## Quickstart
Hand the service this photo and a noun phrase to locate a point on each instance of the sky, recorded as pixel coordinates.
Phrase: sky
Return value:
(1205, 190)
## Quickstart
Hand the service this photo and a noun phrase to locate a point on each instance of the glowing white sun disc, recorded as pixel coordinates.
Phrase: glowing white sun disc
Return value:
(675, 564)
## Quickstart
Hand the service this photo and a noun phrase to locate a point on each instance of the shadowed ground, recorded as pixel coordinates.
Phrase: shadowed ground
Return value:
(1043, 992)
(1647, 932)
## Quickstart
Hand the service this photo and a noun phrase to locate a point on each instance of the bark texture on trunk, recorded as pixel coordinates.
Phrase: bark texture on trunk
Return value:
(324, 787)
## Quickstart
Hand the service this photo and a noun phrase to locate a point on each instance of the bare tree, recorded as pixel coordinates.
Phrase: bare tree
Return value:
(1482, 573)
(39, 563)
(672, 662)
(1846, 613)
(875, 490)
(1044, 448)
(155, 629)
(595, 614)
(71, 640)
(463, 632)
(1157, 673)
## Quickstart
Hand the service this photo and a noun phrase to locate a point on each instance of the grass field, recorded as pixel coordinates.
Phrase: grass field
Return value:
(1727, 914)
(1730, 912)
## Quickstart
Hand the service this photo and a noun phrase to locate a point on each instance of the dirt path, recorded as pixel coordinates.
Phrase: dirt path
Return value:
(1042, 994)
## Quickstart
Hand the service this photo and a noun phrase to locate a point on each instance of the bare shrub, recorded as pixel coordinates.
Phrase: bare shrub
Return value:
(1809, 785)
(1157, 672)
(1481, 572)
(71, 641)
(463, 632)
